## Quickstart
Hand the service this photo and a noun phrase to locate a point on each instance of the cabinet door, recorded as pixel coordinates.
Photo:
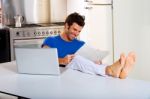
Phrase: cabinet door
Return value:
(99, 25)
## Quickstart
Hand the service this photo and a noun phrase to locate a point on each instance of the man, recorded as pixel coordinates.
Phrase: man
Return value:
(67, 44)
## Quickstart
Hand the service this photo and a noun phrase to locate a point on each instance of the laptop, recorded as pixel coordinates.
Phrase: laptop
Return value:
(41, 61)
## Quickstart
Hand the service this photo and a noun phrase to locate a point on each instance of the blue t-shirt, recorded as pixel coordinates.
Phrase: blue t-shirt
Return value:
(63, 47)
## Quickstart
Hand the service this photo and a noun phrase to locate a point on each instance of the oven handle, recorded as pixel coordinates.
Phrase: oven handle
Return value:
(26, 43)
(33, 41)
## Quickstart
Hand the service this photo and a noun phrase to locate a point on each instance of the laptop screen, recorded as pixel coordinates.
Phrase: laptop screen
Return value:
(37, 61)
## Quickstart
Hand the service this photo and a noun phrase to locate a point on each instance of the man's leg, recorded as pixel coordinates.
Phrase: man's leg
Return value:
(130, 61)
(84, 65)
(115, 69)
(87, 66)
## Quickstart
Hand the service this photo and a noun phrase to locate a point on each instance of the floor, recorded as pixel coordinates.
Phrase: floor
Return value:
(4, 96)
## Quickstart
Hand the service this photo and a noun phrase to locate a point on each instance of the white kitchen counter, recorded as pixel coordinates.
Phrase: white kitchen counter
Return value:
(70, 84)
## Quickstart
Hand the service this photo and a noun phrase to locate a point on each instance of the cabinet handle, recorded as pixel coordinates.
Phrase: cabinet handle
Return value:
(90, 1)
(88, 8)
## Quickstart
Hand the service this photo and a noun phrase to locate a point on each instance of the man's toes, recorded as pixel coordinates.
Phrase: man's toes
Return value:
(122, 59)
(127, 67)
(123, 75)
(133, 55)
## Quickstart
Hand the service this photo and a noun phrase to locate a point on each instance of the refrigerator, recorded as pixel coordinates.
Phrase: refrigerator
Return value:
(98, 31)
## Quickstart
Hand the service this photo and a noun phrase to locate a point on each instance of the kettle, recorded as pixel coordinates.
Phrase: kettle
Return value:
(18, 20)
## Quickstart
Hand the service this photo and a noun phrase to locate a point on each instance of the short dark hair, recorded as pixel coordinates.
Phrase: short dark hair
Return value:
(75, 18)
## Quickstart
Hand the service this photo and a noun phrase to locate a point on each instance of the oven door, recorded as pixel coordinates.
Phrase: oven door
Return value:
(30, 43)
(26, 43)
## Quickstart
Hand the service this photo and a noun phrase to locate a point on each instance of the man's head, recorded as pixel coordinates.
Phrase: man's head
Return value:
(75, 18)
(73, 26)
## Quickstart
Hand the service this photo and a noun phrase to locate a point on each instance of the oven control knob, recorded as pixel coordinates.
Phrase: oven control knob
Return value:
(17, 34)
(47, 32)
(55, 32)
(51, 32)
(35, 33)
(39, 33)
(43, 33)
(59, 31)
(23, 34)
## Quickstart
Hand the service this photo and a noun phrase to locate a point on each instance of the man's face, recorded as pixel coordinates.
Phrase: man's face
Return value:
(72, 31)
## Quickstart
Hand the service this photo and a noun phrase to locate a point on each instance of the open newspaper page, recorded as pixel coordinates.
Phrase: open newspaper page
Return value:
(91, 53)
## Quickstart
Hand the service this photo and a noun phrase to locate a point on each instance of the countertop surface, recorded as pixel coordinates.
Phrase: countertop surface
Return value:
(71, 84)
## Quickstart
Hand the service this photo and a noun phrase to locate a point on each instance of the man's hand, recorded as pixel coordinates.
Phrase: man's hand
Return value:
(98, 62)
(66, 60)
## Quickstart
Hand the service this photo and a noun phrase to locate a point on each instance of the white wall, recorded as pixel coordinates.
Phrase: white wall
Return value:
(132, 32)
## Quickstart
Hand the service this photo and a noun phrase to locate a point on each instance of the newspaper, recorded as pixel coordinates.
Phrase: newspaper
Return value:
(92, 53)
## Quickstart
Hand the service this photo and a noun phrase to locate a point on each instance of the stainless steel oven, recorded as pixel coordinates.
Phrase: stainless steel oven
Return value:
(31, 36)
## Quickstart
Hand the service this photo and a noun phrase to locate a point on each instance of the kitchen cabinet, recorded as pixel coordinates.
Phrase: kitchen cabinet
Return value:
(4, 45)
(98, 24)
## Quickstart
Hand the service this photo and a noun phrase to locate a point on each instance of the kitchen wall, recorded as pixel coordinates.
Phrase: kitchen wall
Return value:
(132, 32)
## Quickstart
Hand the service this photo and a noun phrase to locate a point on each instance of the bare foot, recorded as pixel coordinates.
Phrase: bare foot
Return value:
(130, 61)
(115, 69)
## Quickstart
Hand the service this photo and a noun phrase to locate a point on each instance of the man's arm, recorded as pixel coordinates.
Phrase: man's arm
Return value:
(66, 60)
(63, 61)
(45, 46)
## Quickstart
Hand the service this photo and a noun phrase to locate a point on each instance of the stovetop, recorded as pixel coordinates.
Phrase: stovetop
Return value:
(30, 31)
(38, 25)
